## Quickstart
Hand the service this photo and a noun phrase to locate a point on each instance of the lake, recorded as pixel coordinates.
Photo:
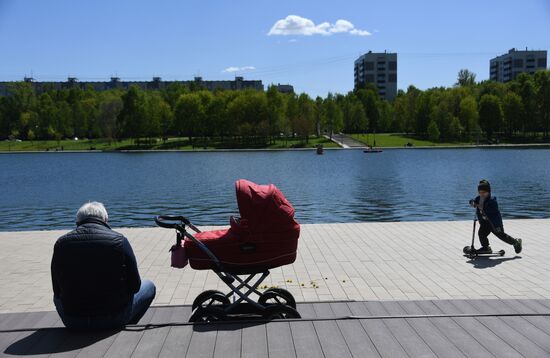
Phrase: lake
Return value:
(42, 191)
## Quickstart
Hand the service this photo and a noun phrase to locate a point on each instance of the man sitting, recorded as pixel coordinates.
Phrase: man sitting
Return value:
(95, 278)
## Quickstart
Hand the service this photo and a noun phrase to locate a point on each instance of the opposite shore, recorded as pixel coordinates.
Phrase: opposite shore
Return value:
(199, 150)
(178, 144)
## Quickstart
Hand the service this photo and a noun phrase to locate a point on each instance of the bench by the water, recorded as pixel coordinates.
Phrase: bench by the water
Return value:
(443, 328)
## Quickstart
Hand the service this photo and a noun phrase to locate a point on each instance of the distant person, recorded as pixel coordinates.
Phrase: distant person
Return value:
(490, 220)
(95, 278)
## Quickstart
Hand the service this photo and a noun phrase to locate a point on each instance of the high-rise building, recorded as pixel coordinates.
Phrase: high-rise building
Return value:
(380, 69)
(507, 67)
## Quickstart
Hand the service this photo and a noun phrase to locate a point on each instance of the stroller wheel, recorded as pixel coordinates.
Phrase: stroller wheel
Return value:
(280, 312)
(277, 296)
(208, 314)
(210, 298)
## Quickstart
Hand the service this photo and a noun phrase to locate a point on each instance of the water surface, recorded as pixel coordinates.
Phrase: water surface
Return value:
(44, 190)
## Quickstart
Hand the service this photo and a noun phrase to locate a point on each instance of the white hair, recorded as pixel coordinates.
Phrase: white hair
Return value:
(92, 209)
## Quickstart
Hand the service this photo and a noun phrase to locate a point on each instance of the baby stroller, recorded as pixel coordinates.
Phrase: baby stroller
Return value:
(264, 237)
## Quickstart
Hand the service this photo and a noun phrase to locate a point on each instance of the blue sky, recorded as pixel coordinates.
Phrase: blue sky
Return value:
(138, 39)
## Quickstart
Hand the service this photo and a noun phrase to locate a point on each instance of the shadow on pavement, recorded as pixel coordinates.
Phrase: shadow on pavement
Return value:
(55, 340)
(486, 262)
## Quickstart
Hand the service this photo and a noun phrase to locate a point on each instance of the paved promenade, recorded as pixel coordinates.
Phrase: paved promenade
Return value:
(355, 261)
(439, 328)
(345, 141)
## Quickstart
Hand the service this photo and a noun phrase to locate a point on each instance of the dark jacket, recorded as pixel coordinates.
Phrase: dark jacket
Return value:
(490, 209)
(94, 270)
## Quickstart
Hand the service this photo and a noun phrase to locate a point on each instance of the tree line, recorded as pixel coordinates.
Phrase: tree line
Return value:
(467, 111)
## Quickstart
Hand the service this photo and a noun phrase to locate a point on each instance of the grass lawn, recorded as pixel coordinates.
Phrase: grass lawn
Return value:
(295, 143)
(52, 145)
(400, 140)
(171, 143)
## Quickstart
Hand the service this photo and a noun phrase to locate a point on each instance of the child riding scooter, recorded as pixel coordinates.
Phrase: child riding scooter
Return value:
(490, 220)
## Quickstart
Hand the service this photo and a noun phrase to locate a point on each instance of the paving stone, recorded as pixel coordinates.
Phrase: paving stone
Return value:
(352, 261)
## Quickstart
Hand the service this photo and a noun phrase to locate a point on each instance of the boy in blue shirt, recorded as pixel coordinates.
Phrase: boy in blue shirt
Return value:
(490, 220)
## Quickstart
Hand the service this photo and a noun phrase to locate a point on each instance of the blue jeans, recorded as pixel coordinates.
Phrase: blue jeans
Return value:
(131, 314)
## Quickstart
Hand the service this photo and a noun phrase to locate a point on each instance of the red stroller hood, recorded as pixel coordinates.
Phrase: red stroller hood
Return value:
(263, 207)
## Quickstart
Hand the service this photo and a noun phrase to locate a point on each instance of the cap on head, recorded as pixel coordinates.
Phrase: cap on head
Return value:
(484, 185)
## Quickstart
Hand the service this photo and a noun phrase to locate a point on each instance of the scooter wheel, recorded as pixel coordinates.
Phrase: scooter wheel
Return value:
(466, 249)
(501, 252)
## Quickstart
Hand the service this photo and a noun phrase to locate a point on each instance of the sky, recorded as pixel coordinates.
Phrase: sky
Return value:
(308, 44)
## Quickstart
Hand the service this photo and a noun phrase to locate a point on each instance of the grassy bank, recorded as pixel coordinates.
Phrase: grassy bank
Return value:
(401, 140)
(171, 143)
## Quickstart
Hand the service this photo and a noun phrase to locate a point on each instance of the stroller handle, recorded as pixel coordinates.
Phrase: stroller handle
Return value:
(172, 222)
(178, 222)
(164, 221)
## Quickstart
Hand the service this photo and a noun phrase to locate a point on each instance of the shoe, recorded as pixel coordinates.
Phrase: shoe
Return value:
(484, 250)
(517, 246)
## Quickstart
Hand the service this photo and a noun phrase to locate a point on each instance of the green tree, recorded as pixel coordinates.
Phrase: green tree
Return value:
(109, 109)
(206, 125)
(172, 93)
(318, 115)
(465, 78)
(410, 113)
(47, 117)
(24, 97)
(292, 112)
(423, 113)
(358, 119)
(386, 122)
(89, 113)
(400, 113)
(512, 109)
(275, 110)
(4, 118)
(442, 116)
(159, 116)
(31, 136)
(490, 114)
(455, 128)
(131, 119)
(370, 100)
(259, 116)
(468, 115)
(542, 81)
(249, 111)
(65, 120)
(529, 100)
(333, 120)
(215, 111)
(433, 131)
(188, 116)
(306, 117)
(27, 121)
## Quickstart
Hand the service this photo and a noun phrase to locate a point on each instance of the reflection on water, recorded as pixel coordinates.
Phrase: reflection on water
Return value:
(43, 190)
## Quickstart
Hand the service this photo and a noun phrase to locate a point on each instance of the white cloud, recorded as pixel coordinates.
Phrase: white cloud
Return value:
(360, 32)
(238, 69)
(297, 25)
(342, 26)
